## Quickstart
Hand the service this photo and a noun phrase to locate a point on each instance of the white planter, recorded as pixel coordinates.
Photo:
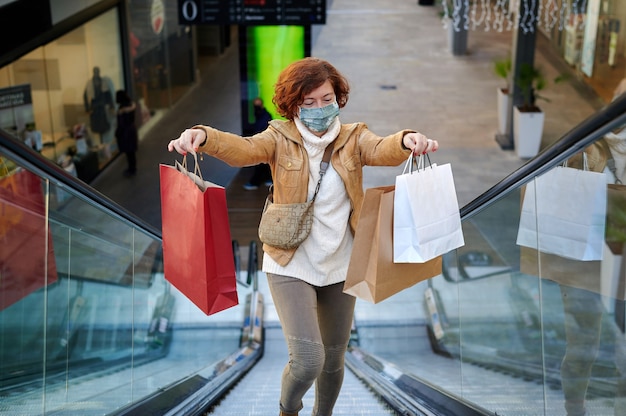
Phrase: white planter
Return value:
(527, 132)
(503, 109)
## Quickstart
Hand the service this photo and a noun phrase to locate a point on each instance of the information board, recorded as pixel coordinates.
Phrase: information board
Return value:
(252, 12)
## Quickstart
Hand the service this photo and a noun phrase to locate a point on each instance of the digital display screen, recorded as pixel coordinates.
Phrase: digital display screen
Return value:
(264, 51)
(252, 12)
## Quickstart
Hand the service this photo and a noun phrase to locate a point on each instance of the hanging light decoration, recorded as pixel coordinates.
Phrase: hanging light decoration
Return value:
(503, 15)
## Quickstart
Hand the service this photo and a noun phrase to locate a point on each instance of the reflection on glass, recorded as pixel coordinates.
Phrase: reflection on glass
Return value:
(497, 329)
(591, 286)
(62, 113)
(88, 324)
(27, 249)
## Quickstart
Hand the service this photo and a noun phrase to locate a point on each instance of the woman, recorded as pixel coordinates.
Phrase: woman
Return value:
(307, 282)
(126, 131)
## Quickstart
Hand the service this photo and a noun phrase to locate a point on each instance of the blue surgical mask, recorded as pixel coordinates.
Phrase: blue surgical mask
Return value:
(320, 118)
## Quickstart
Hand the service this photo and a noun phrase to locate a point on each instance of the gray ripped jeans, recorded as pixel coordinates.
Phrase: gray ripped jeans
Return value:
(316, 322)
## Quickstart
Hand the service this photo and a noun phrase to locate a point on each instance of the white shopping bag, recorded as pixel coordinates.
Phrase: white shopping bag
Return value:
(564, 213)
(426, 218)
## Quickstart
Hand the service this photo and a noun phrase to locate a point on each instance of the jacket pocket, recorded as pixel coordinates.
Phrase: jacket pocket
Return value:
(352, 163)
(288, 171)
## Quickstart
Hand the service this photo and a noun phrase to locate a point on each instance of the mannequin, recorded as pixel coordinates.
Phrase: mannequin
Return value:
(98, 100)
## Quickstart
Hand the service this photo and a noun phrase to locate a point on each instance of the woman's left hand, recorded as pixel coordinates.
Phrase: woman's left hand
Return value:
(419, 143)
(188, 141)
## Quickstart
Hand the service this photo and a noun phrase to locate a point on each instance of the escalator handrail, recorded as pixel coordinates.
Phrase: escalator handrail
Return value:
(591, 129)
(45, 168)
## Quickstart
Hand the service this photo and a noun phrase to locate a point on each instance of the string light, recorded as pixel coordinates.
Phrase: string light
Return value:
(457, 15)
(501, 15)
(499, 10)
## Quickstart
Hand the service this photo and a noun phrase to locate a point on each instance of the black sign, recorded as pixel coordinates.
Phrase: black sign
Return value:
(15, 96)
(252, 12)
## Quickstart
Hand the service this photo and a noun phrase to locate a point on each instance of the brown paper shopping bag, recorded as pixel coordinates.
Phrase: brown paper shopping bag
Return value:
(372, 274)
(197, 246)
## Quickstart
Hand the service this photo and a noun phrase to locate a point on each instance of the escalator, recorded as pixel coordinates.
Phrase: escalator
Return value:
(88, 323)
(93, 327)
(96, 328)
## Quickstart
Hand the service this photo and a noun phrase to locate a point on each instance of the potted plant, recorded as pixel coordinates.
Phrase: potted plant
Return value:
(502, 69)
(528, 119)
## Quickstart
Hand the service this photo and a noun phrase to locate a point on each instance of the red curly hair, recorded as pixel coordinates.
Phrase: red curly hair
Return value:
(300, 78)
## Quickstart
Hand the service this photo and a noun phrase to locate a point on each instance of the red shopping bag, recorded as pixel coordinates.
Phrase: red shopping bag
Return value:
(197, 247)
(26, 254)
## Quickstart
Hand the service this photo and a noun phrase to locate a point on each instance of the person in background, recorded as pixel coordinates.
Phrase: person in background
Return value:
(262, 173)
(307, 282)
(33, 137)
(126, 130)
(98, 100)
(587, 323)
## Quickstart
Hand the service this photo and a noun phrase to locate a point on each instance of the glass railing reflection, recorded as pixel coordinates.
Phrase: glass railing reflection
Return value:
(578, 257)
(88, 322)
(512, 328)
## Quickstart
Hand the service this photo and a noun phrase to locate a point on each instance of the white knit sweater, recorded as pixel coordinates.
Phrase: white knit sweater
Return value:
(322, 259)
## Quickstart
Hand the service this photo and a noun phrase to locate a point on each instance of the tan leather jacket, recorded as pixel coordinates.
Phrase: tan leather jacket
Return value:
(281, 147)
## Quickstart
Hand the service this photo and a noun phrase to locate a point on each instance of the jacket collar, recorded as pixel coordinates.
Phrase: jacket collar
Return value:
(288, 129)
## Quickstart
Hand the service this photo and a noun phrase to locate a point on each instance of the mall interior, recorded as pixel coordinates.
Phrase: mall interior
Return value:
(90, 324)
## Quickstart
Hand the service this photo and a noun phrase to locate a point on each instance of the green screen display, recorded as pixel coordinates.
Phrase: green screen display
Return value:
(266, 51)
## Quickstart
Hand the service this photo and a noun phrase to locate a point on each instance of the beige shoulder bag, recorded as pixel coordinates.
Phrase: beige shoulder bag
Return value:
(288, 225)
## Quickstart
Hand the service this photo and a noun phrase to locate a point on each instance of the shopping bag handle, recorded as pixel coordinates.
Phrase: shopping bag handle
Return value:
(196, 167)
(417, 162)
(585, 162)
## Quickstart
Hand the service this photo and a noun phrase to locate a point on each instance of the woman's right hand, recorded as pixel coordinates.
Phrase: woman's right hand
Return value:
(188, 142)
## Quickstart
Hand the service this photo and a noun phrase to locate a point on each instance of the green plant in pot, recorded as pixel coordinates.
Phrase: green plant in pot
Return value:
(528, 118)
(531, 81)
(502, 68)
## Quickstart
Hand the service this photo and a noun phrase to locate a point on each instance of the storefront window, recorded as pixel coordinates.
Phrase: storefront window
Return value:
(60, 98)
(162, 55)
(67, 110)
(593, 41)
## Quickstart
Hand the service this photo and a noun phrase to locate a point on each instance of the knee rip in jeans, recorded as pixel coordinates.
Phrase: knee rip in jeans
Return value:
(334, 360)
(306, 357)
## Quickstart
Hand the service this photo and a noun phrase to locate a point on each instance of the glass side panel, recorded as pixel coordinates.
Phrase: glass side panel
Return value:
(528, 316)
(88, 322)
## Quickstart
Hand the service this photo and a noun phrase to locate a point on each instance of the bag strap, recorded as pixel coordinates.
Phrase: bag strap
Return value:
(324, 166)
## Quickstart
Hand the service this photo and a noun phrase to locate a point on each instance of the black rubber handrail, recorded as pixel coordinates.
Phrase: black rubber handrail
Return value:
(581, 136)
(28, 158)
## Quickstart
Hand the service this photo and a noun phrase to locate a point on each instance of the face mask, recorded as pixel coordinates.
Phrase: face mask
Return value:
(319, 119)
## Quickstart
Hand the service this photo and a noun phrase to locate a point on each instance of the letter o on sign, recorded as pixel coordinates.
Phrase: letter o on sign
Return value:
(189, 10)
